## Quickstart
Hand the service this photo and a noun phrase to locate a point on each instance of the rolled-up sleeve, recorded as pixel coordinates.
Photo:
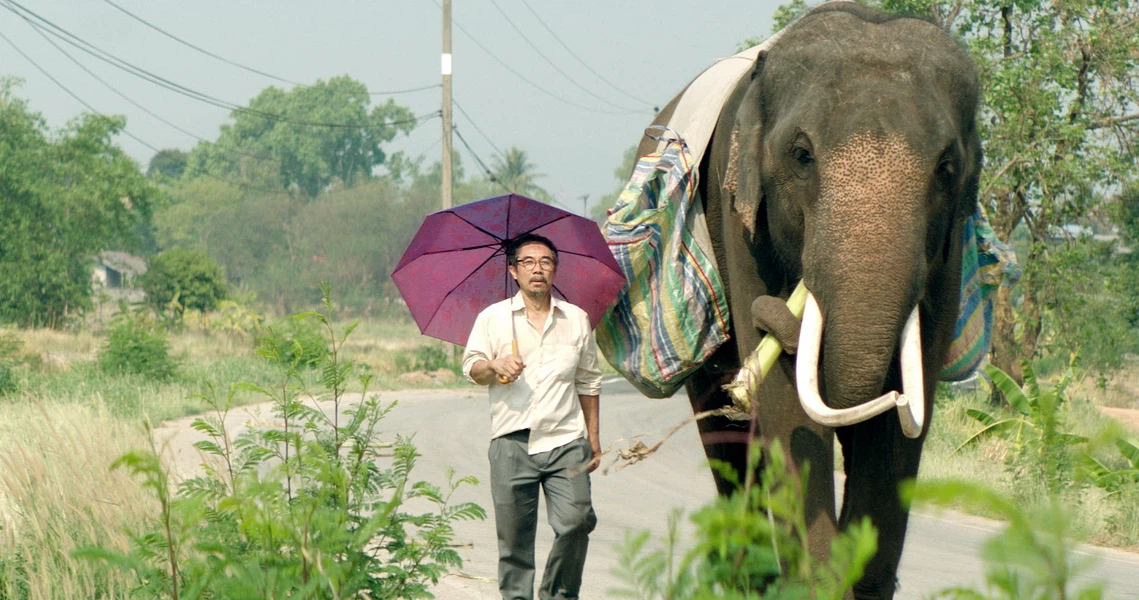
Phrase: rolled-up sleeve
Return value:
(587, 381)
(478, 346)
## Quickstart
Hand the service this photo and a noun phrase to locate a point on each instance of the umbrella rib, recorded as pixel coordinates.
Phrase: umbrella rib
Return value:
(468, 222)
(449, 250)
(472, 273)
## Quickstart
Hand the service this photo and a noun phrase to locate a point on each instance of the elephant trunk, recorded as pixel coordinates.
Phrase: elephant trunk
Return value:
(865, 262)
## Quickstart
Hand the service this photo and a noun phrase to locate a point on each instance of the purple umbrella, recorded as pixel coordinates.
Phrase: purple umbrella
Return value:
(456, 264)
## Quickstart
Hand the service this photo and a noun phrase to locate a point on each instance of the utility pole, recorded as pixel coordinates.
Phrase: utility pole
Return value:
(446, 69)
(584, 205)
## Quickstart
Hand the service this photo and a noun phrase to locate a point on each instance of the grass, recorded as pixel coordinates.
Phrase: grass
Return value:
(69, 420)
(57, 494)
(1097, 518)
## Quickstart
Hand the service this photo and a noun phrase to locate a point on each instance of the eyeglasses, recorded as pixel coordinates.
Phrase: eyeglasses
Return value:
(528, 263)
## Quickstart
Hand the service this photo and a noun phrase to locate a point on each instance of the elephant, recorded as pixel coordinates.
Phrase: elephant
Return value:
(850, 160)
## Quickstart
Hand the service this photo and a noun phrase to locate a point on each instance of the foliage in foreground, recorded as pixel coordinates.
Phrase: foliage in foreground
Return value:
(755, 538)
(1032, 558)
(754, 546)
(299, 510)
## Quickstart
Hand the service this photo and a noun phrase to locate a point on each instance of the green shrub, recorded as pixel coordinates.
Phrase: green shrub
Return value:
(756, 539)
(1042, 450)
(9, 357)
(428, 357)
(296, 341)
(137, 344)
(178, 279)
(308, 508)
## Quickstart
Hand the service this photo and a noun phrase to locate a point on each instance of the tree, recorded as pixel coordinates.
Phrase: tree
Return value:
(63, 199)
(621, 174)
(307, 138)
(169, 163)
(516, 173)
(183, 279)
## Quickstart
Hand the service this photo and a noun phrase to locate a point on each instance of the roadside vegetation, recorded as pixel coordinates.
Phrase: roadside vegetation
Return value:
(240, 231)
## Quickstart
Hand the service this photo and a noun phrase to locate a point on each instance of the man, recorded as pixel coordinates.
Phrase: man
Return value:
(544, 431)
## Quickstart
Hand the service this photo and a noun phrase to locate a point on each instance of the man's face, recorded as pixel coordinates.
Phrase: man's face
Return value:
(536, 279)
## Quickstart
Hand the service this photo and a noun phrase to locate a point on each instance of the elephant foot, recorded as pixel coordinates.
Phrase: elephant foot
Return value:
(864, 590)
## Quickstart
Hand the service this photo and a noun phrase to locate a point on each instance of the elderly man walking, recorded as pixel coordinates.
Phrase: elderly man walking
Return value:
(544, 404)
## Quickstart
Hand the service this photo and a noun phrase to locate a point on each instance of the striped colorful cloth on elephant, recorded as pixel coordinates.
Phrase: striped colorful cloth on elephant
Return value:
(672, 313)
(985, 262)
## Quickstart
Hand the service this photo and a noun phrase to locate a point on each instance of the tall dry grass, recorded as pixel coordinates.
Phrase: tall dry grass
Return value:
(58, 494)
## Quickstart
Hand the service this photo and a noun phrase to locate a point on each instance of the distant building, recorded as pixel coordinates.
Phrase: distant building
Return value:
(116, 274)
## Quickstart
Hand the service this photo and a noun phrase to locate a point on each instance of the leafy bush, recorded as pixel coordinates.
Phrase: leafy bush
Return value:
(9, 357)
(428, 357)
(295, 340)
(178, 279)
(232, 317)
(1042, 450)
(756, 539)
(299, 510)
(137, 344)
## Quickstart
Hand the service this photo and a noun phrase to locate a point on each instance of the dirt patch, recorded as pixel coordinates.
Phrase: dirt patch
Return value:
(1128, 416)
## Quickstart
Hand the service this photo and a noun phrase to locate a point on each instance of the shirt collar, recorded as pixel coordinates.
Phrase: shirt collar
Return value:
(517, 304)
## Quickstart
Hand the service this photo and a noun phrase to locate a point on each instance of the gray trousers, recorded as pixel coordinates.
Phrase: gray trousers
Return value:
(514, 480)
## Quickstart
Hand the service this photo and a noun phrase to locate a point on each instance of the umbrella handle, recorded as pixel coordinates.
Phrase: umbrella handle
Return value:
(514, 351)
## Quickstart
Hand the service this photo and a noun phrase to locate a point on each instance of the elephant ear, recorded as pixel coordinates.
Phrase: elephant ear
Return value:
(741, 178)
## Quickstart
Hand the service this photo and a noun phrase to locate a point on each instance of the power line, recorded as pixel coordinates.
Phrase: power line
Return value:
(141, 73)
(525, 79)
(244, 67)
(479, 129)
(520, 33)
(69, 92)
(125, 131)
(113, 89)
(574, 54)
(490, 174)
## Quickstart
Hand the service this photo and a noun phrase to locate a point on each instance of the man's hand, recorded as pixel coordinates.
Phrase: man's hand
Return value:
(596, 462)
(505, 369)
(508, 368)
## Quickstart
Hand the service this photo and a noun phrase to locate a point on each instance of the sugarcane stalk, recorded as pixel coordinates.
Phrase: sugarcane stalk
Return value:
(759, 362)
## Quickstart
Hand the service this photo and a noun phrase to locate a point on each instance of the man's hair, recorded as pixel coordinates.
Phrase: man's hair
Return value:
(513, 245)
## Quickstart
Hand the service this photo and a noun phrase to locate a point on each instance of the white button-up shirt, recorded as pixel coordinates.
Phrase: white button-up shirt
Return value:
(561, 363)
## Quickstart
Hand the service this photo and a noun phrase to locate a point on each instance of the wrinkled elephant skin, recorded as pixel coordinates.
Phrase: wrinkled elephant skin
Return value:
(856, 163)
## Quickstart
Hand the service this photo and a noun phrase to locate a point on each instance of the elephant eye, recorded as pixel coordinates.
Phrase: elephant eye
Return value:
(946, 168)
(947, 163)
(802, 155)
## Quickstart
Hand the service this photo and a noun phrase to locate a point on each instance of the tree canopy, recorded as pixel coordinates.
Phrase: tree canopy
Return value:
(64, 197)
(307, 138)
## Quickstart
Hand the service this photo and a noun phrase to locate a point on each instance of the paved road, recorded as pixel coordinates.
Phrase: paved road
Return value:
(450, 429)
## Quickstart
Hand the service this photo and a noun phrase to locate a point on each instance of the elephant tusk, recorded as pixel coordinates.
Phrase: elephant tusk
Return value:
(911, 413)
(911, 407)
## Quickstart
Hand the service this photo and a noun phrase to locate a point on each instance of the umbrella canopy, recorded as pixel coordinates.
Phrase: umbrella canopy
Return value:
(456, 264)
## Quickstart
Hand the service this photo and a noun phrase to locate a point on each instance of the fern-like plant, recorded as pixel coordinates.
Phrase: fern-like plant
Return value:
(310, 508)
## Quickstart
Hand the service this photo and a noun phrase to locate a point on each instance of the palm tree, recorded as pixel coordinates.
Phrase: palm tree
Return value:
(514, 171)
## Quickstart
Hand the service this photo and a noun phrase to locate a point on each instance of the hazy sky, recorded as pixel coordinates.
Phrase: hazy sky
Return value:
(574, 133)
